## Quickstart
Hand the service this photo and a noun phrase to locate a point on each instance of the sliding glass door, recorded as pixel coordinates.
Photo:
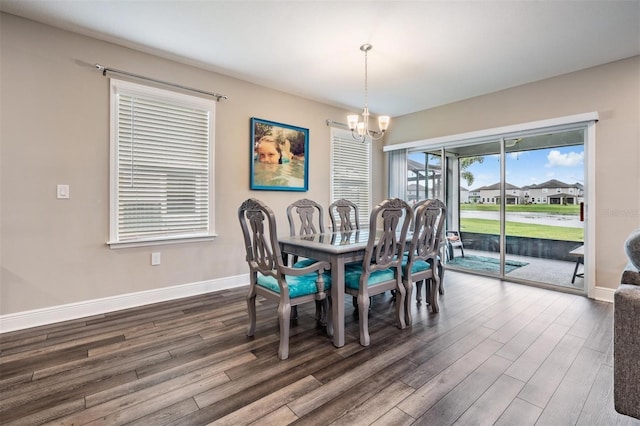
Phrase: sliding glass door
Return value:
(514, 205)
(544, 230)
(425, 178)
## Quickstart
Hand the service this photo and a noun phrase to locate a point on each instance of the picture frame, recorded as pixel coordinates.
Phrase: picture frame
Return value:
(279, 156)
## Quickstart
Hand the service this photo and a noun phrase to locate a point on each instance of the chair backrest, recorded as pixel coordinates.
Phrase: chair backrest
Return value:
(347, 212)
(420, 202)
(260, 237)
(427, 231)
(415, 207)
(305, 211)
(390, 221)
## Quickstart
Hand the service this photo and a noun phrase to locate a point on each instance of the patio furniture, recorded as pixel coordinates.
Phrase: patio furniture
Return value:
(454, 241)
(420, 265)
(270, 278)
(578, 253)
(381, 267)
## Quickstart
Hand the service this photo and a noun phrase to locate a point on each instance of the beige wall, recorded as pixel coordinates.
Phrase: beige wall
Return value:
(612, 90)
(55, 129)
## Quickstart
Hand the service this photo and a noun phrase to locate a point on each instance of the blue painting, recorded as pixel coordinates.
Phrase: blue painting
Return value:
(279, 156)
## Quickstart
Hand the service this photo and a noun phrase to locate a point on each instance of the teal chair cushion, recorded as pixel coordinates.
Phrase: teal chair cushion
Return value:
(354, 271)
(418, 266)
(298, 285)
(304, 263)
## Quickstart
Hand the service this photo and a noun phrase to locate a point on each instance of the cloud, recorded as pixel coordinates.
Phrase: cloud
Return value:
(570, 159)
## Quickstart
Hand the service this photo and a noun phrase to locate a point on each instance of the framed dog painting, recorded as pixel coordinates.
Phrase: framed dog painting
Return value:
(279, 156)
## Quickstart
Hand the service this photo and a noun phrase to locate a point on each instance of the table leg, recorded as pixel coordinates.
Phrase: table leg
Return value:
(337, 296)
(575, 271)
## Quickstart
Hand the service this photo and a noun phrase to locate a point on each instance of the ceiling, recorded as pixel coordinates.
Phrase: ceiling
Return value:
(425, 53)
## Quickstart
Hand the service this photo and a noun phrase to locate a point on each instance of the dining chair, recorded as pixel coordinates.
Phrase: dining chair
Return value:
(345, 213)
(381, 268)
(421, 263)
(270, 278)
(439, 259)
(309, 217)
(305, 217)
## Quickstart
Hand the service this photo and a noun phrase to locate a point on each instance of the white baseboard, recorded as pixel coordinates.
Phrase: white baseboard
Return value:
(37, 317)
(603, 294)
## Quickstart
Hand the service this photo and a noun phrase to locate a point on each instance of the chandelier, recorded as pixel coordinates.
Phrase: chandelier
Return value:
(360, 129)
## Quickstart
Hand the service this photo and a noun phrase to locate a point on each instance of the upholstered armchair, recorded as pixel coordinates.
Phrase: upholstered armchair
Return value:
(626, 337)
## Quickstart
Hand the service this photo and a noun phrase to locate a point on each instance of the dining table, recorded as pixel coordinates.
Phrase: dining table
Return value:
(339, 249)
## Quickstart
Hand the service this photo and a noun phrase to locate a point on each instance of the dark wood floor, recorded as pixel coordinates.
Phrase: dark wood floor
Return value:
(497, 353)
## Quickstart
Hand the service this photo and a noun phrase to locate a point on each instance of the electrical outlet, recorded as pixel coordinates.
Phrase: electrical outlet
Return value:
(155, 259)
(62, 191)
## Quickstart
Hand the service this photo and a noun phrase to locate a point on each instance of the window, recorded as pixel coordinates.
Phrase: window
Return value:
(162, 146)
(351, 171)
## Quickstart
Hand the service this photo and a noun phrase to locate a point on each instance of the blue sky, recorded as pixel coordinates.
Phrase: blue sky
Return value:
(565, 164)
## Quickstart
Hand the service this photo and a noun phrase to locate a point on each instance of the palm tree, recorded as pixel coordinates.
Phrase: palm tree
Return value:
(465, 163)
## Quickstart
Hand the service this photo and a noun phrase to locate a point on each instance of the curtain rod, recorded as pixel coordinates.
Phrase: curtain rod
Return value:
(332, 123)
(105, 70)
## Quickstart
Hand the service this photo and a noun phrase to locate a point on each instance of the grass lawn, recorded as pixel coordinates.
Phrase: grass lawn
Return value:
(517, 229)
(535, 208)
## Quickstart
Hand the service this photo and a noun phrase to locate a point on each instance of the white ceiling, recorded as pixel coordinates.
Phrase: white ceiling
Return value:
(425, 53)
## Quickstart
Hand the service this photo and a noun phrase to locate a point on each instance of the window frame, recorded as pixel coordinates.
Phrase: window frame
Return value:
(129, 88)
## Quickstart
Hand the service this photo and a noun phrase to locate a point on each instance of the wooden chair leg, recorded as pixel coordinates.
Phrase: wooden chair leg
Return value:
(401, 294)
(251, 307)
(433, 293)
(407, 302)
(284, 316)
(328, 318)
(322, 311)
(355, 303)
(419, 291)
(363, 312)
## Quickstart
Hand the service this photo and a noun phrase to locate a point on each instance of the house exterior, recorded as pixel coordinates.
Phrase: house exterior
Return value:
(550, 192)
(474, 196)
(464, 195)
(554, 192)
(491, 194)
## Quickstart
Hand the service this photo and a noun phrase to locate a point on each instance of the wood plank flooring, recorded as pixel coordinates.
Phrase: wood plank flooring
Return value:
(497, 353)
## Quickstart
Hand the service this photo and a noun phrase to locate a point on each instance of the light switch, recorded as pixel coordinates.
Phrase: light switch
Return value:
(155, 259)
(63, 192)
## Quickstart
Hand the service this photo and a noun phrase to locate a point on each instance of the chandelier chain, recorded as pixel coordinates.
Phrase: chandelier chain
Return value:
(366, 79)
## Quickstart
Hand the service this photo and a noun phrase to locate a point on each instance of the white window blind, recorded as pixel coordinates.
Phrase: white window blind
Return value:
(162, 180)
(351, 171)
